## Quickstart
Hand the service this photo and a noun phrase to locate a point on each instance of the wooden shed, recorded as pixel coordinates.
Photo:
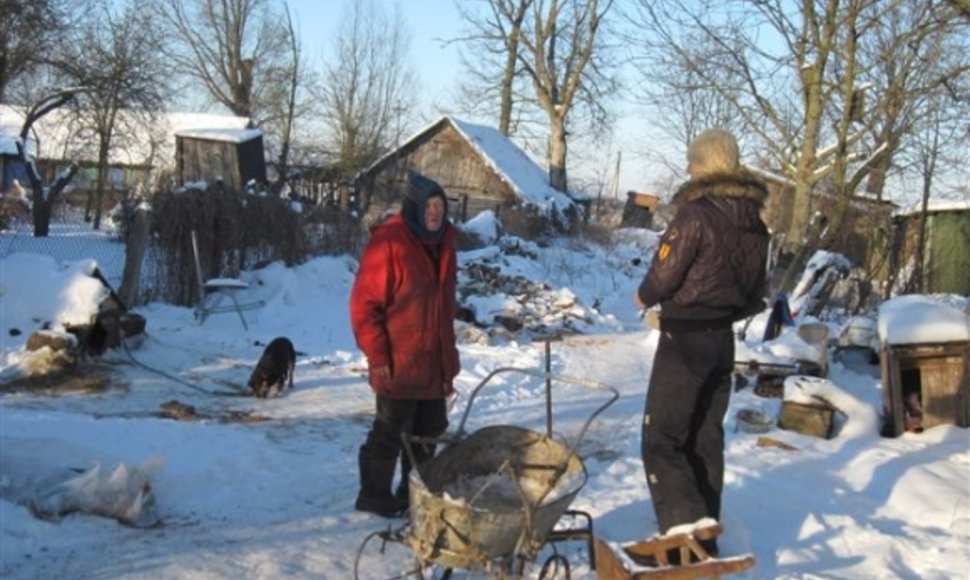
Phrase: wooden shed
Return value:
(639, 210)
(478, 167)
(234, 156)
(925, 364)
(946, 249)
(143, 141)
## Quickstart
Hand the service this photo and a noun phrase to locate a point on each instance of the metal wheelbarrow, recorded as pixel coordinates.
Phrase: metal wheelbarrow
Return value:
(491, 499)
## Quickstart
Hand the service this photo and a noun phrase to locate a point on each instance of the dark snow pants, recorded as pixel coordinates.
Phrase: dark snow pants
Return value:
(683, 433)
(379, 454)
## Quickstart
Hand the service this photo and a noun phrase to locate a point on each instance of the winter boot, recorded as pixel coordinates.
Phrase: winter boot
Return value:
(376, 474)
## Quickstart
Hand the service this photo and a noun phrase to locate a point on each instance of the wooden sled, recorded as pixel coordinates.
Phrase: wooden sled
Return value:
(619, 563)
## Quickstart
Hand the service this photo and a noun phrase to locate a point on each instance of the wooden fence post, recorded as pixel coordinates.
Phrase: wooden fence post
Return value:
(135, 245)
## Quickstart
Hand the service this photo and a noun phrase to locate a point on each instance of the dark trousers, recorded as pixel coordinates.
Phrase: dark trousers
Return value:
(379, 454)
(683, 433)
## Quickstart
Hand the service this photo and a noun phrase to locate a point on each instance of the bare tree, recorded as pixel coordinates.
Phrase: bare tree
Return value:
(682, 103)
(366, 92)
(29, 32)
(821, 132)
(962, 7)
(44, 197)
(490, 51)
(231, 48)
(114, 56)
(567, 60)
(290, 104)
(918, 58)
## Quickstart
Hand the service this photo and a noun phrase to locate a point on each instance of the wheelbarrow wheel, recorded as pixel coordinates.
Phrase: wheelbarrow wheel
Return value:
(550, 568)
(384, 556)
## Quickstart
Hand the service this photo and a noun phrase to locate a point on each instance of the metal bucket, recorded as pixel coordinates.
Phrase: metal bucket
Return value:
(496, 494)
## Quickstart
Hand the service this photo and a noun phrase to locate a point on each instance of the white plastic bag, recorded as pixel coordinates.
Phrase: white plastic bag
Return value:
(51, 492)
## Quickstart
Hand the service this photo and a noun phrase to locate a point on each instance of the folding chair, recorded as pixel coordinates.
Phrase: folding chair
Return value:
(213, 291)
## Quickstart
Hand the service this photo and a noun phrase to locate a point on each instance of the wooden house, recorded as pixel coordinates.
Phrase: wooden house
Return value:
(946, 249)
(233, 156)
(479, 168)
(143, 142)
(12, 170)
(864, 237)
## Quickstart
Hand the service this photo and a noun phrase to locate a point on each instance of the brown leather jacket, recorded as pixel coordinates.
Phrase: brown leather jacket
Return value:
(710, 268)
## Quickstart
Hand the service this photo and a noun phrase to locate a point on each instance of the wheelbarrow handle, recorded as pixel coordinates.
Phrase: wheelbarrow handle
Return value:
(548, 376)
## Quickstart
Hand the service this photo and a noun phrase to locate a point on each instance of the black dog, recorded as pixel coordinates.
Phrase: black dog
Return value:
(274, 369)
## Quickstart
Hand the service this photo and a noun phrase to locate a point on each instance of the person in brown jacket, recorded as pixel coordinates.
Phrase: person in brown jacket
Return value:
(402, 309)
(709, 271)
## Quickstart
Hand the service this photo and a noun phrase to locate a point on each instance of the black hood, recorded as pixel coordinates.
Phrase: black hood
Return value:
(419, 190)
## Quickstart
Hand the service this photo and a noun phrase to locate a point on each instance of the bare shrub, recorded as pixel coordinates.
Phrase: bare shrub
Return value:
(330, 231)
(235, 231)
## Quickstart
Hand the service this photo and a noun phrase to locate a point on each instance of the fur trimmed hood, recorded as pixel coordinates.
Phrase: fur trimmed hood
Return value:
(739, 184)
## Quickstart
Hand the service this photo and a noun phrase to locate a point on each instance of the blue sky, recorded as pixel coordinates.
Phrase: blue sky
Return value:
(432, 23)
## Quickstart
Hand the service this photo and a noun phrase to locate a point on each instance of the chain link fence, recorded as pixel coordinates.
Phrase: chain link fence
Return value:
(236, 231)
(71, 239)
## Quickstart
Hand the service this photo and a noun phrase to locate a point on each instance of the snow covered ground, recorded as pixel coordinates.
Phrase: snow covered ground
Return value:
(246, 498)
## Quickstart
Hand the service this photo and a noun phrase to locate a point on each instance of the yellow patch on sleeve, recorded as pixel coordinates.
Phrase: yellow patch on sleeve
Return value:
(664, 251)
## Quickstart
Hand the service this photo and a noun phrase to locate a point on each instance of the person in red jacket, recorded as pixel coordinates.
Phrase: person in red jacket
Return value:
(402, 309)
(709, 272)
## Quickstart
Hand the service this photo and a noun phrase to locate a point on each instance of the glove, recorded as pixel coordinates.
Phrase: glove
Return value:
(652, 318)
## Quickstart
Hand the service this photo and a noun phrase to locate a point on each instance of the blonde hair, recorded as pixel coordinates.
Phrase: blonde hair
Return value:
(713, 151)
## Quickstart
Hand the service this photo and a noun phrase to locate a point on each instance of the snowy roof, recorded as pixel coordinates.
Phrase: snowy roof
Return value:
(226, 135)
(10, 133)
(934, 206)
(8, 141)
(141, 139)
(920, 319)
(510, 163)
(529, 181)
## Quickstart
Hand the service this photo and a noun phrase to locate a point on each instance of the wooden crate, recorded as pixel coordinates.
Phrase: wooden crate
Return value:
(815, 419)
(943, 375)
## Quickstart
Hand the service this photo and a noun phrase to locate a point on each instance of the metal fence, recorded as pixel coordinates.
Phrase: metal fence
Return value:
(71, 239)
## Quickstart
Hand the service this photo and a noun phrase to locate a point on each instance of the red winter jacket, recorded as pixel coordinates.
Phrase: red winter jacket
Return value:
(403, 313)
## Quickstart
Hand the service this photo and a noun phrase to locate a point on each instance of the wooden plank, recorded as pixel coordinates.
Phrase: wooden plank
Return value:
(940, 382)
(708, 569)
(610, 566)
(892, 385)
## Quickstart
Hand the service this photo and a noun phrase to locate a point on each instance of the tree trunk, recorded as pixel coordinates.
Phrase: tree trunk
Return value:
(505, 112)
(799, 243)
(508, 75)
(42, 216)
(102, 181)
(557, 152)
(919, 274)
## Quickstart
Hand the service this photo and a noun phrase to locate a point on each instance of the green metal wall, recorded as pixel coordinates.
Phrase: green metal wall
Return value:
(948, 270)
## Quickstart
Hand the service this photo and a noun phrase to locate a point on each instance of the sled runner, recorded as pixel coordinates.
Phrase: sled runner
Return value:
(651, 558)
